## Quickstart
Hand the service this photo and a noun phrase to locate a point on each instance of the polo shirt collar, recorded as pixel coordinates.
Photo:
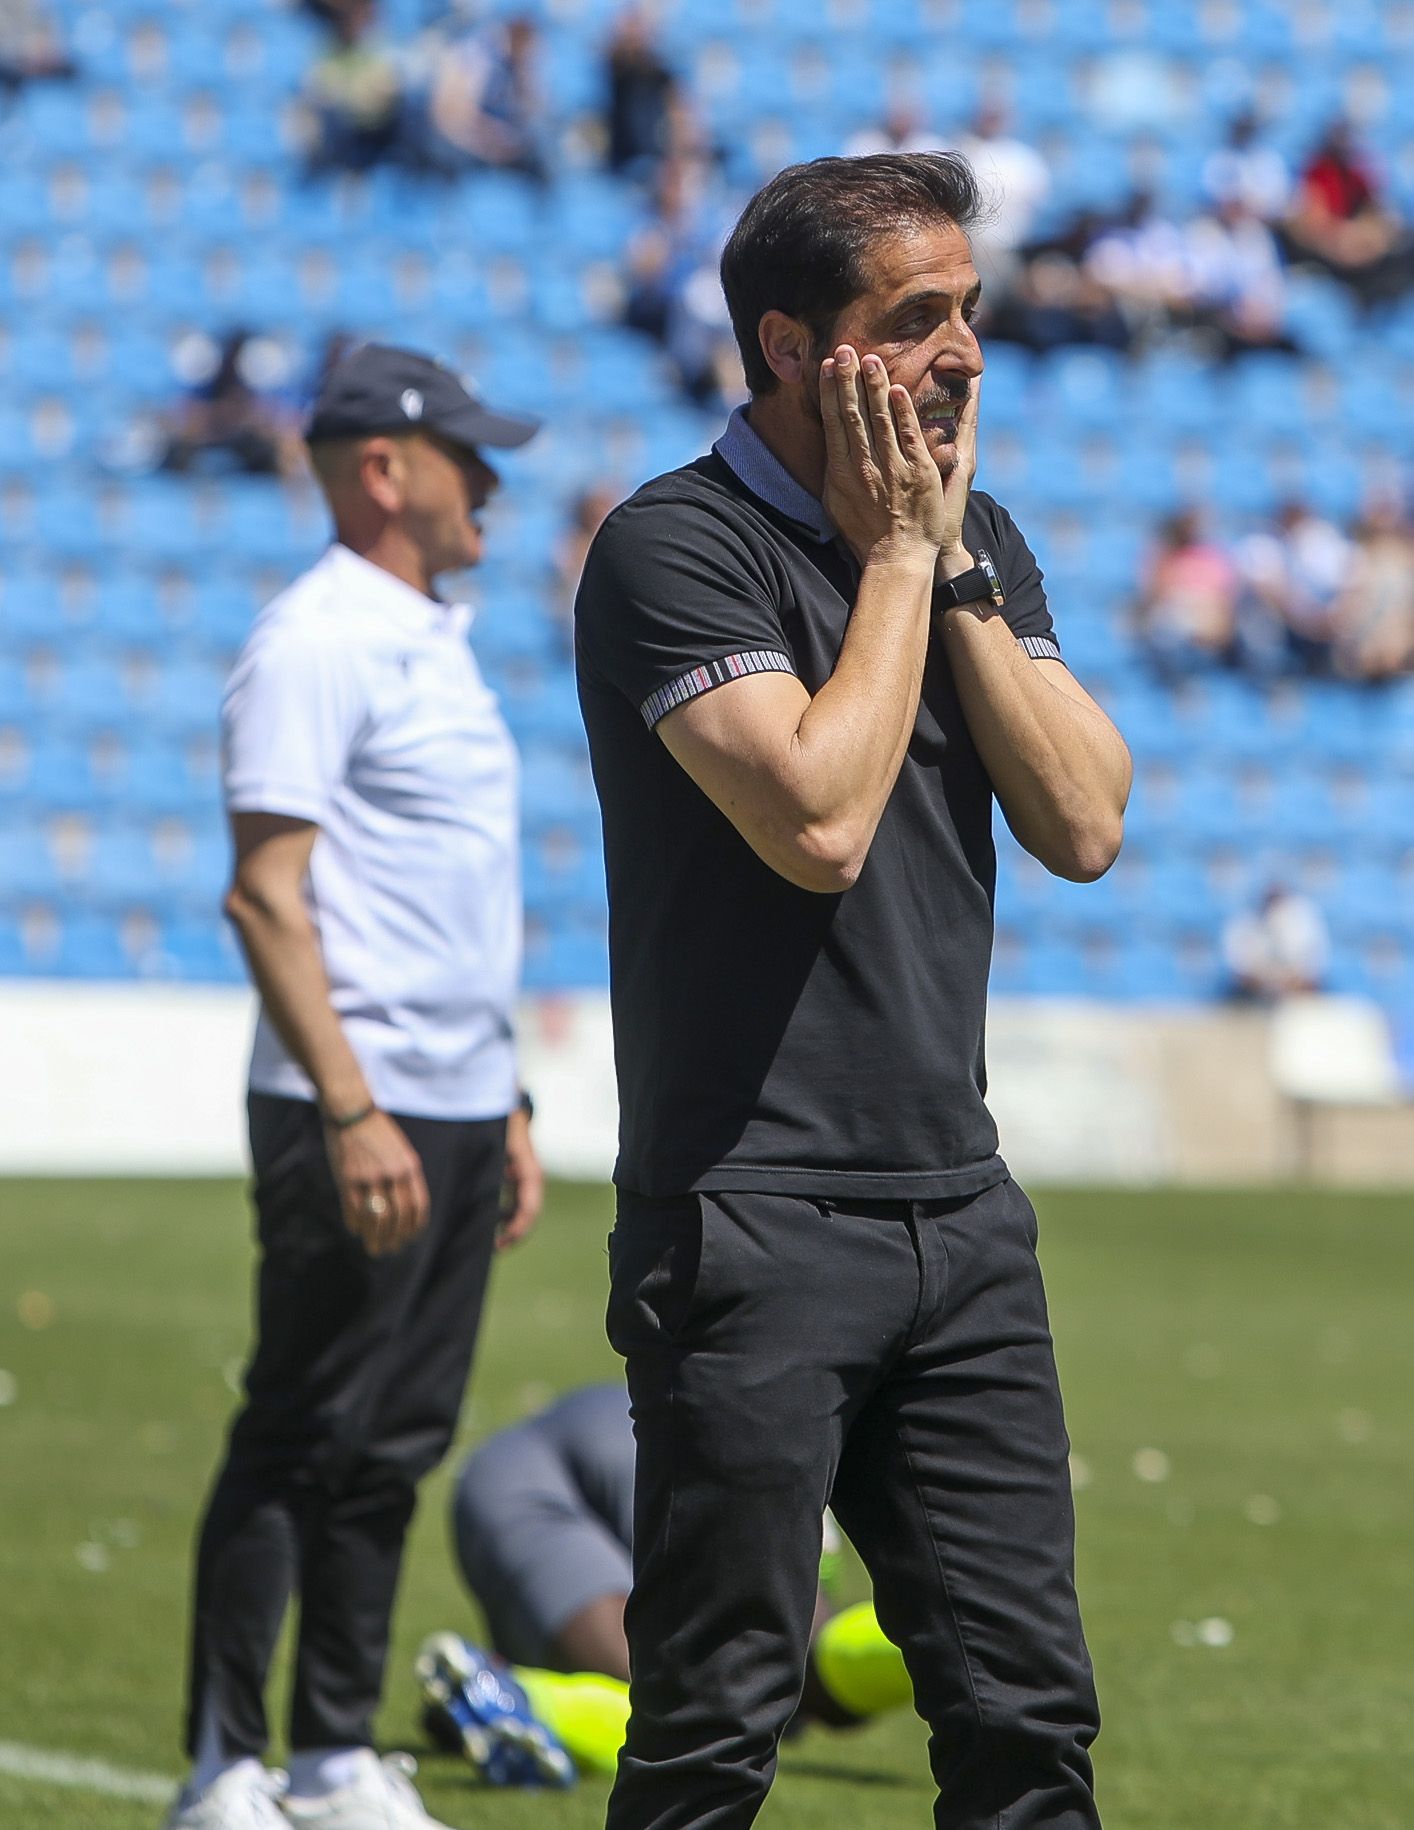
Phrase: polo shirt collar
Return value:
(753, 462)
(391, 598)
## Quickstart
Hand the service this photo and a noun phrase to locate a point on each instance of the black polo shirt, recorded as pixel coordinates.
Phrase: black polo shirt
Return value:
(768, 1037)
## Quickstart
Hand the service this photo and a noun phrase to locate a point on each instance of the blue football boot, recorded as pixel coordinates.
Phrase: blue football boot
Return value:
(473, 1706)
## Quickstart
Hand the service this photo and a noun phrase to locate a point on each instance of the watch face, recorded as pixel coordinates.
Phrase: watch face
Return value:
(984, 562)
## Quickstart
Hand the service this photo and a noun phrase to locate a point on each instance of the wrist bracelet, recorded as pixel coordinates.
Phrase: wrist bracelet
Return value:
(345, 1121)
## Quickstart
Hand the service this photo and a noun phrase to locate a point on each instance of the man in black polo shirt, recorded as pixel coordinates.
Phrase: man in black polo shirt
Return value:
(807, 663)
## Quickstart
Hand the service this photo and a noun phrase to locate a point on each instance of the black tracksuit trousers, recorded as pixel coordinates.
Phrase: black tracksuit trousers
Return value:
(352, 1395)
(893, 1359)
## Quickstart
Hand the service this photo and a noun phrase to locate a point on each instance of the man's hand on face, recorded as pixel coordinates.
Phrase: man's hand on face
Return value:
(380, 1181)
(953, 557)
(882, 488)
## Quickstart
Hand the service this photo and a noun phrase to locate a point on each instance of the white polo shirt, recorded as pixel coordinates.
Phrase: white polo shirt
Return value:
(356, 703)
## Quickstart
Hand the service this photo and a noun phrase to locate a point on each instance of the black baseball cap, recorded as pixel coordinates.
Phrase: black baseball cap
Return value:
(377, 388)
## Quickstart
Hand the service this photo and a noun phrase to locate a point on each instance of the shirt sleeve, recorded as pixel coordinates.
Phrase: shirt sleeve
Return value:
(1027, 612)
(289, 722)
(673, 603)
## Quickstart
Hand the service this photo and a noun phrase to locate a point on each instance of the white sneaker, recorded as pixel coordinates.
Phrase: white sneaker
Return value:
(381, 1798)
(241, 1799)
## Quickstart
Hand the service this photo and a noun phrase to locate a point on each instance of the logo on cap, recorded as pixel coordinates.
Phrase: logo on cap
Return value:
(411, 403)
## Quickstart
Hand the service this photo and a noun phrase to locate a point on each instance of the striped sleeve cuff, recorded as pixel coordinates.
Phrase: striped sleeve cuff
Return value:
(1041, 647)
(699, 680)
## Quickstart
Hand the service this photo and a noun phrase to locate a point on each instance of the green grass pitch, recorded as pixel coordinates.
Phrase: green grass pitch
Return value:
(1257, 1346)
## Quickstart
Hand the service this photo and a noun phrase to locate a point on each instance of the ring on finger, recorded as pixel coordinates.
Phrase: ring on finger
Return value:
(377, 1205)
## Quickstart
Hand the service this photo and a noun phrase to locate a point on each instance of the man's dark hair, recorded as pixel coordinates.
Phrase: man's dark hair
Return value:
(801, 243)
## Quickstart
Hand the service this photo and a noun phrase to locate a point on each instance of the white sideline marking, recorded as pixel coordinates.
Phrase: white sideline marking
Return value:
(84, 1775)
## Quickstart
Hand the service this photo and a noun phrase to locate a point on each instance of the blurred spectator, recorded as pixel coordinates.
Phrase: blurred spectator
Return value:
(672, 289)
(337, 345)
(900, 129)
(233, 419)
(1015, 184)
(1186, 616)
(640, 92)
(328, 12)
(588, 512)
(1141, 260)
(688, 136)
(30, 45)
(1234, 280)
(1295, 572)
(667, 247)
(1279, 949)
(1374, 615)
(354, 94)
(1244, 171)
(700, 342)
(1054, 301)
(483, 105)
(1339, 222)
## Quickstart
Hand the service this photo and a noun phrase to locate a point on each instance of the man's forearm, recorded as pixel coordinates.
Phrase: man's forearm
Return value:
(854, 734)
(1060, 770)
(285, 962)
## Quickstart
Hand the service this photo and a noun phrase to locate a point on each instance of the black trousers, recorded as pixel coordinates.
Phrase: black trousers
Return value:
(892, 1359)
(352, 1394)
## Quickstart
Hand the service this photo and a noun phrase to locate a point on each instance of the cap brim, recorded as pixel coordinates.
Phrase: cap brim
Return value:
(479, 426)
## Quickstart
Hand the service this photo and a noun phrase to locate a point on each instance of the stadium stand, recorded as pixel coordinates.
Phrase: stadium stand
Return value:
(161, 192)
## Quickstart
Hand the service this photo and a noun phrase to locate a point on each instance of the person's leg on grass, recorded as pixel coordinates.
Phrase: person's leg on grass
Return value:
(416, 1359)
(954, 1487)
(247, 1562)
(751, 1326)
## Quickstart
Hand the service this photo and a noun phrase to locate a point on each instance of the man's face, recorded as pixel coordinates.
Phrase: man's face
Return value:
(443, 487)
(916, 317)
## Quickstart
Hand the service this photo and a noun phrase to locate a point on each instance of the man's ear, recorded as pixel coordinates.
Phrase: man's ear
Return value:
(381, 465)
(786, 344)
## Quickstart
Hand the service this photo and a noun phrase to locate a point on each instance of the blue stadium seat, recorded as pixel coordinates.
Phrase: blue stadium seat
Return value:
(15, 704)
(92, 946)
(1142, 972)
(15, 961)
(561, 871)
(197, 876)
(127, 612)
(119, 872)
(224, 612)
(556, 790)
(199, 949)
(1175, 395)
(31, 610)
(67, 526)
(163, 777)
(512, 626)
(71, 775)
(547, 713)
(567, 958)
(87, 693)
(29, 871)
(185, 700)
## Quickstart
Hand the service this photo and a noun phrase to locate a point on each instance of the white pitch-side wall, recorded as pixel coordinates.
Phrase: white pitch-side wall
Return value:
(147, 1080)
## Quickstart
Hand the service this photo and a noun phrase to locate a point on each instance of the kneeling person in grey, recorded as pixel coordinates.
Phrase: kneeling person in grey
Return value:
(371, 785)
(542, 1518)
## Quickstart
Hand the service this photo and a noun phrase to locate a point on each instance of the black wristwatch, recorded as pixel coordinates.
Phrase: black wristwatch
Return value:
(972, 587)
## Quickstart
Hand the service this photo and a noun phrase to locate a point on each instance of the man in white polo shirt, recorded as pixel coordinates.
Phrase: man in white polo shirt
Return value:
(372, 791)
